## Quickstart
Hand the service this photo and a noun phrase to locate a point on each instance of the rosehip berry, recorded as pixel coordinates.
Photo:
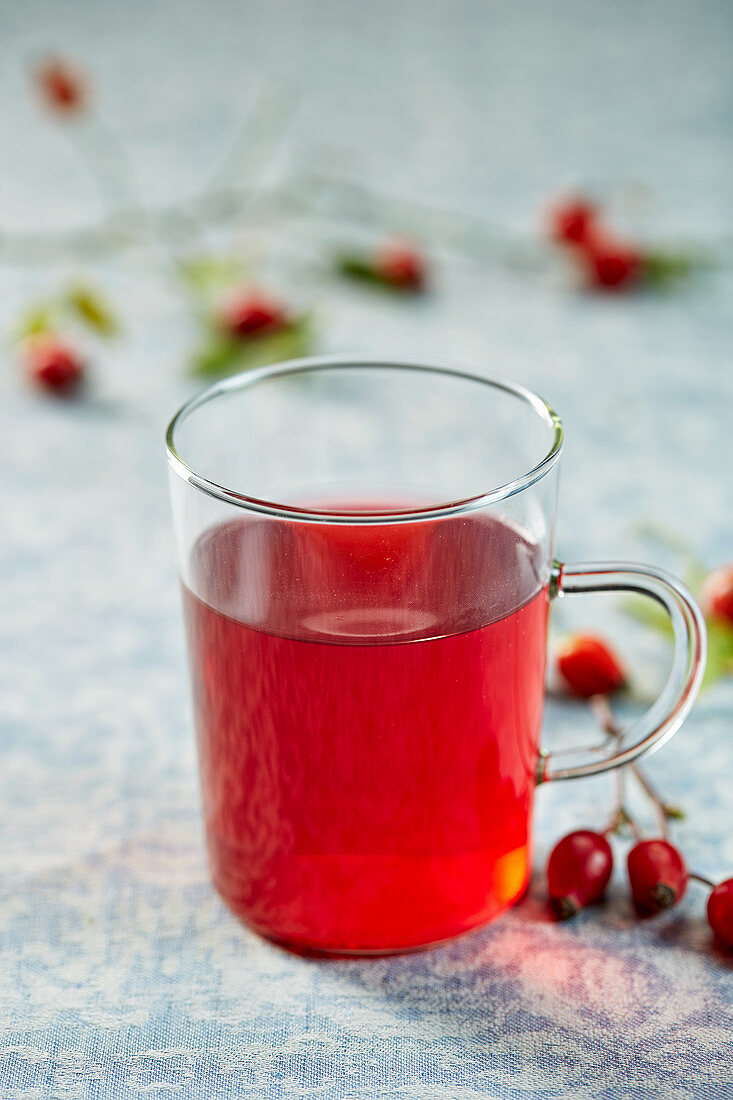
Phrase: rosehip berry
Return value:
(252, 312)
(720, 911)
(53, 365)
(578, 871)
(611, 266)
(401, 265)
(589, 666)
(573, 221)
(657, 874)
(61, 86)
(717, 594)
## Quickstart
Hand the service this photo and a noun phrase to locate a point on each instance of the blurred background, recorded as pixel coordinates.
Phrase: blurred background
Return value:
(393, 178)
(283, 136)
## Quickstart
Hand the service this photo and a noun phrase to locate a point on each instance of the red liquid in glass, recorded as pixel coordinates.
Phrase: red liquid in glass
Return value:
(368, 702)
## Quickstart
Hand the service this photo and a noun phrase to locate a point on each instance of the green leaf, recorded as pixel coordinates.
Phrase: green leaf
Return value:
(216, 358)
(720, 636)
(659, 535)
(91, 308)
(206, 276)
(648, 612)
(361, 270)
(665, 268)
(720, 652)
(662, 269)
(695, 574)
(222, 355)
(354, 267)
(36, 320)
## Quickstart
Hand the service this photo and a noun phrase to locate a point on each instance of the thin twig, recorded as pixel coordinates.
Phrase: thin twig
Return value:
(604, 717)
(602, 711)
(701, 878)
(654, 798)
(621, 815)
(261, 132)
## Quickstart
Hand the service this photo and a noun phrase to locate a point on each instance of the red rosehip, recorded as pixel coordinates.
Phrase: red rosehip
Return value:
(589, 666)
(720, 911)
(657, 874)
(62, 87)
(578, 871)
(716, 594)
(573, 221)
(401, 265)
(53, 365)
(252, 313)
(612, 266)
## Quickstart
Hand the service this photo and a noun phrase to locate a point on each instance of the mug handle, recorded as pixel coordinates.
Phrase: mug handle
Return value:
(665, 716)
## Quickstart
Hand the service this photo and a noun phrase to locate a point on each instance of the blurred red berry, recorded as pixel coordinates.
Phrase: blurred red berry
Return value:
(611, 266)
(716, 594)
(252, 313)
(401, 265)
(578, 872)
(589, 666)
(63, 88)
(573, 221)
(720, 911)
(53, 365)
(657, 875)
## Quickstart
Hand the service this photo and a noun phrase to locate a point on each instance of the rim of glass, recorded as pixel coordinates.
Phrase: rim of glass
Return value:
(249, 378)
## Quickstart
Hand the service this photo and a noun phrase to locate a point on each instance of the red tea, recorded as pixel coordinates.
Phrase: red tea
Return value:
(368, 702)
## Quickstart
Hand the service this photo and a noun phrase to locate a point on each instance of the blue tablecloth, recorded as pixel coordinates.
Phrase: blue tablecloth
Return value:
(122, 973)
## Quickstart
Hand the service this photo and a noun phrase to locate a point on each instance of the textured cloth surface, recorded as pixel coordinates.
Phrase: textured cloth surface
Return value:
(122, 974)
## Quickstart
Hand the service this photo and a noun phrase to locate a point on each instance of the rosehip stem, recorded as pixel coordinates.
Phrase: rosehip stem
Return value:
(621, 815)
(602, 712)
(701, 878)
(654, 798)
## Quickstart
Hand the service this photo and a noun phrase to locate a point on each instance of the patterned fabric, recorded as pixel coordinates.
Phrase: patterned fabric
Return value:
(122, 975)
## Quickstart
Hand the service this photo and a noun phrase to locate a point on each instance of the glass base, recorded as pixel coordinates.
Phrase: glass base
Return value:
(302, 947)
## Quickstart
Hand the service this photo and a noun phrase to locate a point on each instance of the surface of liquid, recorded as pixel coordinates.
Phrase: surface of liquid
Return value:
(368, 701)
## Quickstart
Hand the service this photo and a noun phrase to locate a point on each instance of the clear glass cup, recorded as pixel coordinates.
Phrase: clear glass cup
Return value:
(366, 557)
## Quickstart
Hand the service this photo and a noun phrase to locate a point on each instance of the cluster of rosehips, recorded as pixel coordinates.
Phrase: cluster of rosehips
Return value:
(606, 261)
(52, 362)
(581, 863)
(394, 263)
(246, 316)
(580, 866)
(397, 264)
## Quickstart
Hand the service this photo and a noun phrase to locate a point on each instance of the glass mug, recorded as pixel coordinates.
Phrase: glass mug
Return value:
(366, 556)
